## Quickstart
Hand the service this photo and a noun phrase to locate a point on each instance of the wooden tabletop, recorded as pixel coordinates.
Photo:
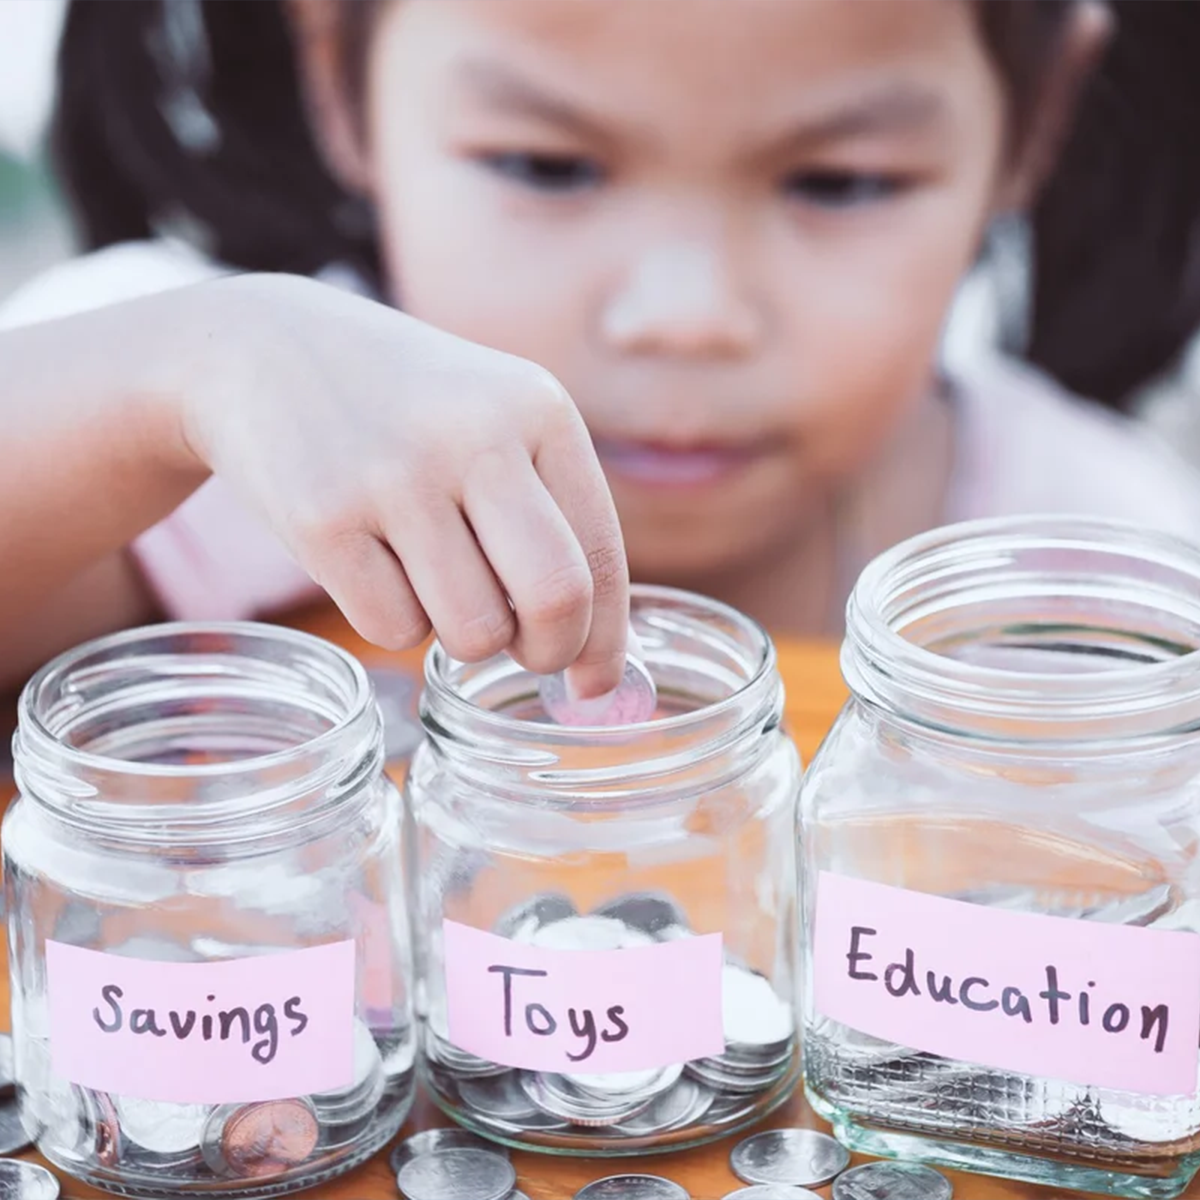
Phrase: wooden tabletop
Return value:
(815, 692)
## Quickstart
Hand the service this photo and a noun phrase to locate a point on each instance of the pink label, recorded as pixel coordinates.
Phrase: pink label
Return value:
(591, 1011)
(1114, 1006)
(203, 1033)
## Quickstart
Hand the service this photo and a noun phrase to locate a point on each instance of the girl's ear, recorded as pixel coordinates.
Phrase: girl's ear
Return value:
(318, 31)
(1084, 40)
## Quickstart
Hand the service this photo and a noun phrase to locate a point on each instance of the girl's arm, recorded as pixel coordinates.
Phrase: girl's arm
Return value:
(421, 480)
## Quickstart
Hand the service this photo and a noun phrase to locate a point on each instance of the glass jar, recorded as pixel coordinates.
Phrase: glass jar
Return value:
(606, 917)
(1001, 879)
(208, 942)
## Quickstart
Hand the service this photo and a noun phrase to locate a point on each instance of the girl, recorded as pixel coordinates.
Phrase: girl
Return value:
(731, 231)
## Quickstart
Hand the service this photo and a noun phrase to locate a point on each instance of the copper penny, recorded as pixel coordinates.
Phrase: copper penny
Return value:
(267, 1138)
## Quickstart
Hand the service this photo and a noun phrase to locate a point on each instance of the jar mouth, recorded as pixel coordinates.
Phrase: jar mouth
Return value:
(1038, 627)
(138, 668)
(713, 663)
(184, 732)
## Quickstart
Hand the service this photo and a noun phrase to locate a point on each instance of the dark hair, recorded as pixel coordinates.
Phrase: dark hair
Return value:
(156, 125)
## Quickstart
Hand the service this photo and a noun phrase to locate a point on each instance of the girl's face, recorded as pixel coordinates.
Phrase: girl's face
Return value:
(732, 230)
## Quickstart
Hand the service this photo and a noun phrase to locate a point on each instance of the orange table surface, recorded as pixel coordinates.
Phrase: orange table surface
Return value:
(815, 692)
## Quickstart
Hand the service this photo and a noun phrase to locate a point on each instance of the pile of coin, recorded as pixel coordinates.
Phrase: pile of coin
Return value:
(452, 1164)
(783, 1163)
(671, 1103)
(154, 1144)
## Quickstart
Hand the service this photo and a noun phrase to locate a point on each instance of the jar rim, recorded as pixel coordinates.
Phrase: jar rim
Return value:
(882, 665)
(32, 727)
(572, 754)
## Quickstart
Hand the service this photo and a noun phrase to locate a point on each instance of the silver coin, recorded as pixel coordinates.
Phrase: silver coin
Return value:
(501, 1097)
(651, 912)
(771, 1191)
(26, 1181)
(463, 1174)
(633, 702)
(12, 1133)
(523, 920)
(683, 1105)
(892, 1181)
(802, 1157)
(632, 1187)
(556, 1097)
(396, 694)
(449, 1137)
(8, 1074)
(161, 1127)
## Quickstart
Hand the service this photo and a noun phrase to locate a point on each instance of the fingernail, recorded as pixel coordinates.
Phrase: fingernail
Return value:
(577, 697)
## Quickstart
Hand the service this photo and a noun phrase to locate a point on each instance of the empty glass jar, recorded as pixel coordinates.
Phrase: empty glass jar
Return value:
(606, 916)
(208, 941)
(1001, 879)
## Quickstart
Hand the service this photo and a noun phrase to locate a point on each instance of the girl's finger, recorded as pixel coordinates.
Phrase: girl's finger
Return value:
(452, 579)
(367, 582)
(535, 555)
(568, 466)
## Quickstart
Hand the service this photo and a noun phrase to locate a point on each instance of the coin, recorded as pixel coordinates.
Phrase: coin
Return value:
(771, 1191)
(752, 1011)
(651, 912)
(802, 1157)
(396, 694)
(449, 1137)
(589, 933)
(501, 1097)
(683, 1105)
(892, 1181)
(632, 1187)
(633, 702)
(161, 1127)
(8, 1075)
(12, 1133)
(26, 1181)
(254, 1141)
(523, 920)
(460, 1174)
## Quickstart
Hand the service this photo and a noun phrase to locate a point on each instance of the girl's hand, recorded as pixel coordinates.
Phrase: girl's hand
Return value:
(423, 481)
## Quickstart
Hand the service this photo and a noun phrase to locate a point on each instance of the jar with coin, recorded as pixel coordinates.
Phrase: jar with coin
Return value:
(1001, 884)
(604, 892)
(208, 940)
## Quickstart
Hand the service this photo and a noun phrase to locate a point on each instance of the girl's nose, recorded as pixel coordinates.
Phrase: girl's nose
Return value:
(681, 300)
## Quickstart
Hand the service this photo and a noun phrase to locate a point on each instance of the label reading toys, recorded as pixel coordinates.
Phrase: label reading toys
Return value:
(594, 1011)
(259, 1028)
(1100, 1005)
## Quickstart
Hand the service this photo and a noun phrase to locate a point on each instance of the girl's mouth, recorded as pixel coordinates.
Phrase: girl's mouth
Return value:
(660, 464)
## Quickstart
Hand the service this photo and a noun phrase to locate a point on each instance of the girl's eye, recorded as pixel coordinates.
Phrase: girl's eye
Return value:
(842, 189)
(546, 172)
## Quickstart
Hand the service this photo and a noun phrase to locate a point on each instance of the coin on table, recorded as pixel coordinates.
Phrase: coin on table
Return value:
(449, 1137)
(26, 1181)
(892, 1181)
(463, 1174)
(12, 1133)
(633, 702)
(802, 1157)
(632, 1187)
(771, 1191)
